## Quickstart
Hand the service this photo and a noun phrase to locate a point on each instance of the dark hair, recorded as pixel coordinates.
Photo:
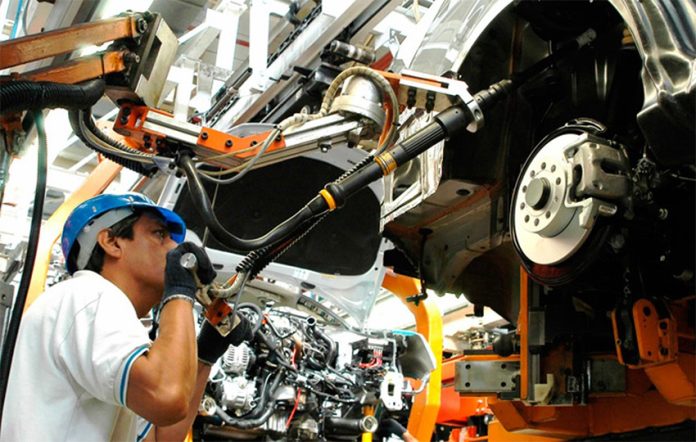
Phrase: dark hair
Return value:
(122, 229)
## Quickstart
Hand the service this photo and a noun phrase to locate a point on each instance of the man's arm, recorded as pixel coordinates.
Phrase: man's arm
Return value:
(161, 382)
(211, 345)
(179, 430)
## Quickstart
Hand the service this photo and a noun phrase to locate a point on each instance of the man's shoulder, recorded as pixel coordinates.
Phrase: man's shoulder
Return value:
(85, 288)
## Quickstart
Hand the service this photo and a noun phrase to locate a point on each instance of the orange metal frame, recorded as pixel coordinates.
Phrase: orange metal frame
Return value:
(61, 41)
(81, 69)
(641, 406)
(132, 117)
(426, 405)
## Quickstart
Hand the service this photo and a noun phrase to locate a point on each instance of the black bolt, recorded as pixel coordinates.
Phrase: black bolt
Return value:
(204, 136)
(130, 57)
(147, 145)
(126, 111)
(123, 120)
(228, 143)
(146, 138)
(664, 351)
(141, 25)
(254, 143)
(663, 325)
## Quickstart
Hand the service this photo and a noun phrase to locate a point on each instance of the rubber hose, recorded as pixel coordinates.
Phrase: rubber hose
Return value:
(32, 246)
(85, 116)
(258, 312)
(21, 95)
(332, 345)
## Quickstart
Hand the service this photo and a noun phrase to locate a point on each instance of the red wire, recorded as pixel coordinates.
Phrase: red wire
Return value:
(294, 409)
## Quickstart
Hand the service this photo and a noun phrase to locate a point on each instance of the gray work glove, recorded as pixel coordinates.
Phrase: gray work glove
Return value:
(179, 283)
(211, 344)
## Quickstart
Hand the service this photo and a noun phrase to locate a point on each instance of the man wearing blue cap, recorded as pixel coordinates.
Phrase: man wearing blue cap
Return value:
(84, 367)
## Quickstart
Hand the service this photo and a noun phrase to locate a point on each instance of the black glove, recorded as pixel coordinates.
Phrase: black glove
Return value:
(390, 426)
(211, 344)
(178, 281)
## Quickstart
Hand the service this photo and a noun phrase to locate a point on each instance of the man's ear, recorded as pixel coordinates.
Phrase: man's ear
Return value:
(109, 243)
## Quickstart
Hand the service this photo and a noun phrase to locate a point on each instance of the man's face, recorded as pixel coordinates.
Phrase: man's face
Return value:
(145, 256)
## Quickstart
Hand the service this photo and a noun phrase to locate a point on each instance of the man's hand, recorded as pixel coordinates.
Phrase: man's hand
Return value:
(179, 282)
(211, 344)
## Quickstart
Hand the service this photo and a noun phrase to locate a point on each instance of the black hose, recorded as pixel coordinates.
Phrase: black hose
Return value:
(202, 202)
(330, 342)
(279, 357)
(82, 118)
(18, 308)
(21, 95)
(258, 312)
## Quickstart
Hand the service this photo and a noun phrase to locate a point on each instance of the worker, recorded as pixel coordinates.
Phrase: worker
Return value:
(84, 367)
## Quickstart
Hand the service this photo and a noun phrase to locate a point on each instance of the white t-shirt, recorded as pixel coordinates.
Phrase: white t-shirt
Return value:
(69, 375)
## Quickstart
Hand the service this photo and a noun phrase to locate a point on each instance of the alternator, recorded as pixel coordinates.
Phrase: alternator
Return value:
(239, 394)
(236, 359)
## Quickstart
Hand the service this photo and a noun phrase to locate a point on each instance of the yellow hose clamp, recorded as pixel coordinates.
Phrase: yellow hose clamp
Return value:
(386, 162)
(328, 198)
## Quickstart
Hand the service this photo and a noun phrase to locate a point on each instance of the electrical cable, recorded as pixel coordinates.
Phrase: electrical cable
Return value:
(247, 167)
(32, 247)
(202, 203)
(86, 130)
(20, 95)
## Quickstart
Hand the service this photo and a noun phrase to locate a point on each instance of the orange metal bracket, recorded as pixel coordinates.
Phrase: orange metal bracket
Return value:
(425, 408)
(95, 183)
(219, 147)
(673, 373)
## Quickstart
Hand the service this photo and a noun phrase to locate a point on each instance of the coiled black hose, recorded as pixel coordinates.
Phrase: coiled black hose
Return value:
(21, 95)
(81, 121)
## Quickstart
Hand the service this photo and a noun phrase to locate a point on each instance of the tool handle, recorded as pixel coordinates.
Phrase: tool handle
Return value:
(188, 261)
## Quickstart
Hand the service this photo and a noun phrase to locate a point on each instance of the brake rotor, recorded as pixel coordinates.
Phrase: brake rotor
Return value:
(562, 191)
